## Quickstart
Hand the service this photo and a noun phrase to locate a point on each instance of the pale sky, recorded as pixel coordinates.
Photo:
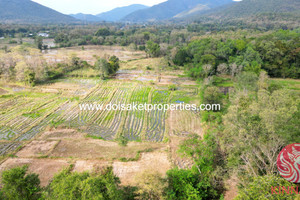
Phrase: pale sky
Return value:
(91, 6)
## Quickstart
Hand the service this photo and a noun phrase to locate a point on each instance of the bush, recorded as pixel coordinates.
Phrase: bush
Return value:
(173, 87)
(70, 185)
(17, 185)
(122, 141)
(260, 188)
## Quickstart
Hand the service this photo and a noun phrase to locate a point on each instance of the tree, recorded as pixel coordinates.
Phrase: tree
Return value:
(256, 128)
(72, 186)
(29, 77)
(39, 42)
(152, 49)
(260, 187)
(17, 184)
(150, 186)
(247, 81)
(188, 184)
(103, 67)
(114, 63)
(103, 32)
(202, 151)
(181, 57)
(212, 95)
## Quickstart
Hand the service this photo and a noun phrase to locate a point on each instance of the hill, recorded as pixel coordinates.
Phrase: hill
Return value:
(171, 8)
(118, 13)
(254, 7)
(26, 11)
(86, 17)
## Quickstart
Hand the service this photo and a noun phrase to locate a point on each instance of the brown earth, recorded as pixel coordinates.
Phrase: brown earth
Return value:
(232, 190)
(55, 150)
(37, 149)
(45, 168)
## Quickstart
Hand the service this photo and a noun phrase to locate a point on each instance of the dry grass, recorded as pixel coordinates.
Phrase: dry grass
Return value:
(90, 53)
(141, 64)
(98, 149)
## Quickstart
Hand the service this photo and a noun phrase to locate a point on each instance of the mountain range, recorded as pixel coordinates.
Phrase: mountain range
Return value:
(247, 8)
(173, 8)
(110, 16)
(26, 11)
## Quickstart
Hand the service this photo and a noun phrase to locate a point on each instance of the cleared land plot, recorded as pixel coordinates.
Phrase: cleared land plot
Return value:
(88, 154)
(37, 148)
(98, 149)
(59, 55)
(45, 168)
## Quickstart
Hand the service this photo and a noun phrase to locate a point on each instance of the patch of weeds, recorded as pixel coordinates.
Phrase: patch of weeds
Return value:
(166, 140)
(122, 141)
(94, 137)
(172, 87)
(137, 156)
(55, 124)
(74, 99)
(43, 156)
(148, 68)
(32, 115)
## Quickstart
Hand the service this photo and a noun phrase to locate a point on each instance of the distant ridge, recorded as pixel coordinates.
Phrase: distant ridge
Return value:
(118, 13)
(28, 12)
(86, 17)
(172, 8)
(253, 7)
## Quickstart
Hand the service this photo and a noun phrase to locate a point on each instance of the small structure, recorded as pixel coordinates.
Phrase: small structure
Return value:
(43, 35)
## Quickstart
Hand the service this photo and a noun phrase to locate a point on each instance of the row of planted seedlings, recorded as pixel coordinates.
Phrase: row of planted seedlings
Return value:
(28, 120)
(134, 122)
(26, 112)
(109, 121)
(156, 119)
(71, 116)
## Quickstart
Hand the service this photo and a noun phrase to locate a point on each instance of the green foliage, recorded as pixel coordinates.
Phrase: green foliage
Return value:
(68, 185)
(181, 57)
(257, 127)
(29, 77)
(260, 188)
(107, 68)
(195, 183)
(212, 95)
(172, 87)
(202, 151)
(122, 141)
(247, 81)
(103, 32)
(188, 184)
(153, 49)
(18, 185)
(39, 42)
(276, 53)
(150, 186)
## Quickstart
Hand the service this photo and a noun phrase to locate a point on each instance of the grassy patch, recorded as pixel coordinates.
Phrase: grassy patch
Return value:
(291, 84)
(94, 137)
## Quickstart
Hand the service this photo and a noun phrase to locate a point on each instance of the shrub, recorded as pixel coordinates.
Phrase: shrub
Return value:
(17, 185)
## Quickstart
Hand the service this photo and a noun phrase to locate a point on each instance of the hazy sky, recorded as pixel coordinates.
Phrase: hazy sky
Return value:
(91, 6)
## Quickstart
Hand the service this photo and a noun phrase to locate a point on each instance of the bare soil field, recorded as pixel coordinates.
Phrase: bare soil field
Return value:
(45, 168)
(48, 132)
(88, 53)
(56, 150)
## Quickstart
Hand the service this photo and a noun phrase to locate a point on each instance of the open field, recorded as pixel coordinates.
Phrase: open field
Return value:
(88, 53)
(44, 128)
(54, 150)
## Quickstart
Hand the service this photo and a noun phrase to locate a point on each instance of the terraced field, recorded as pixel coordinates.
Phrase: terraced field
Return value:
(25, 114)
